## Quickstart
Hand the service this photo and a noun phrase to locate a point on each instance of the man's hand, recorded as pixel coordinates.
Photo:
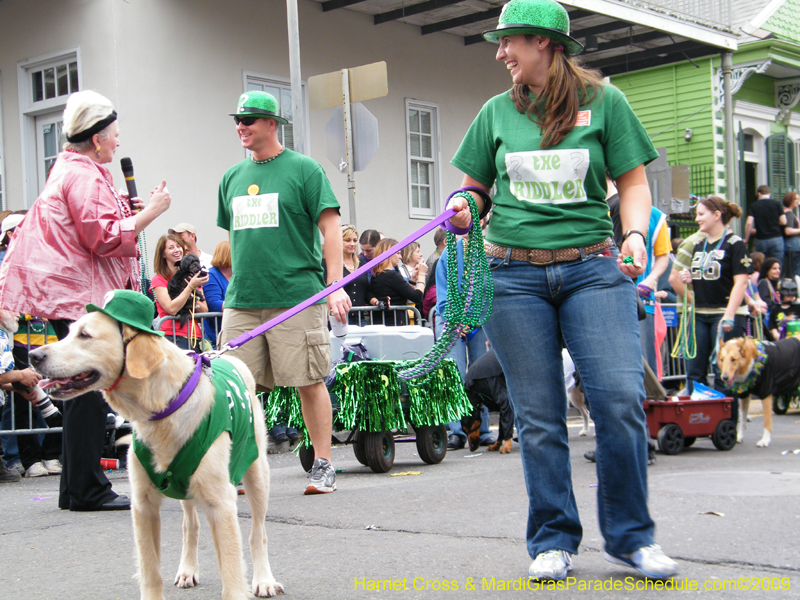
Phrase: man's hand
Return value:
(28, 378)
(339, 304)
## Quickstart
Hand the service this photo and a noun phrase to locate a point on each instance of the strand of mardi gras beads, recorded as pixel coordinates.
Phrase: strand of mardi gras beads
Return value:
(468, 306)
(686, 343)
(143, 262)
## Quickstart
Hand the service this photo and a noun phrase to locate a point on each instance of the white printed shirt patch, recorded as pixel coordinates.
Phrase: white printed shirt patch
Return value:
(255, 212)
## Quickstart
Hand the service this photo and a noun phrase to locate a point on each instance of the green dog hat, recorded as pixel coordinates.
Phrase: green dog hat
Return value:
(536, 17)
(129, 307)
(258, 104)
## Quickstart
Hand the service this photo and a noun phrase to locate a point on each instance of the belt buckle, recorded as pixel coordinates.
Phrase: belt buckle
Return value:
(533, 261)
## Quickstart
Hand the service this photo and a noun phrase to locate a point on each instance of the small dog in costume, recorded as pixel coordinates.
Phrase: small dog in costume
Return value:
(763, 368)
(198, 430)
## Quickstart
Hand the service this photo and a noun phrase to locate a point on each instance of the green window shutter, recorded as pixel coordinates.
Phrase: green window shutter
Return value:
(780, 164)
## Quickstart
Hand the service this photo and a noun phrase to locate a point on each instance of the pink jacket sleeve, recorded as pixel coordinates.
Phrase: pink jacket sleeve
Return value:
(98, 222)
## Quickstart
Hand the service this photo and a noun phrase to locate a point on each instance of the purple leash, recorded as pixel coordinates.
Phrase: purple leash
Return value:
(246, 337)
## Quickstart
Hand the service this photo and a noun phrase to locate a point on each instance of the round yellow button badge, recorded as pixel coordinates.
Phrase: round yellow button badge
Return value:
(252, 190)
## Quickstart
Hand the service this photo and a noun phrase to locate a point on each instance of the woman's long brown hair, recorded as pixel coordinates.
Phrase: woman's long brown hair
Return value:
(568, 87)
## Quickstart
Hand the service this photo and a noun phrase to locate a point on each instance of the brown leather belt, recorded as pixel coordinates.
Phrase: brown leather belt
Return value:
(539, 257)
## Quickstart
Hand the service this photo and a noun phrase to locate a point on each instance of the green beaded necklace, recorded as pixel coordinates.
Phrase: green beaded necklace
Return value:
(467, 308)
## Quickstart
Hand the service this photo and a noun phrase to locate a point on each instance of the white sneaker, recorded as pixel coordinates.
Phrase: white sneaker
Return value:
(552, 565)
(36, 470)
(323, 478)
(650, 561)
(53, 466)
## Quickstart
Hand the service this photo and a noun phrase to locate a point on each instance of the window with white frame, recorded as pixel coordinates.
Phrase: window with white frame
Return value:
(45, 83)
(55, 79)
(422, 147)
(282, 90)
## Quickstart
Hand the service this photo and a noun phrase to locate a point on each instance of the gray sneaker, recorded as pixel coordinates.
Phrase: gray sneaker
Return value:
(323, 478)
(8, 475)
(16, 465)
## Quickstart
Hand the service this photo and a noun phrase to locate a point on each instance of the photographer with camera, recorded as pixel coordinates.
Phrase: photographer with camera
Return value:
(388, 287)
(168, 255)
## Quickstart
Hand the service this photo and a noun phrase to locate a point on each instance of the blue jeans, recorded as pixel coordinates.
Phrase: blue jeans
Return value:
(771, 247)
(591, 305)
(792, 255)
(465, 353)
(10, 447)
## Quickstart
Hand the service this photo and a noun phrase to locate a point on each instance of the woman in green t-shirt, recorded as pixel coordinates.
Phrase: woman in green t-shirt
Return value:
(558, 278)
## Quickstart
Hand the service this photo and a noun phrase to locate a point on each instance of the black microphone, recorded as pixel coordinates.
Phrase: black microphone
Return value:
(127, 172)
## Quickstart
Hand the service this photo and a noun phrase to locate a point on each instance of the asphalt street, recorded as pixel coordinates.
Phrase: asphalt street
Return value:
(452, 530)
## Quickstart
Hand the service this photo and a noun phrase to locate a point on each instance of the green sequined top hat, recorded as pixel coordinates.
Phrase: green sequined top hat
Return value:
(129, 307)
(258, 104)
(536, 17)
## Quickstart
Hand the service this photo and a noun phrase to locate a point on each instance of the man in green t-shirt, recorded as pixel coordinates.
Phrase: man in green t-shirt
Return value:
(272, 205)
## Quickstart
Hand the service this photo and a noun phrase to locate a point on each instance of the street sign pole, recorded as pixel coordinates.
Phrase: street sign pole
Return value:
(298, 121)
(343, 87)
(348, 139)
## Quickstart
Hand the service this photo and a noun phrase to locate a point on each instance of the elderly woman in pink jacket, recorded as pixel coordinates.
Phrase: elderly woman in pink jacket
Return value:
(77, 243)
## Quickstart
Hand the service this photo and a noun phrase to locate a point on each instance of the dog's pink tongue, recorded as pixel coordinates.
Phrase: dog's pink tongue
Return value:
(48, 383)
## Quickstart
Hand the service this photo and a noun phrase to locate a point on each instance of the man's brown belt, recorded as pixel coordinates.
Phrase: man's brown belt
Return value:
(539, 257)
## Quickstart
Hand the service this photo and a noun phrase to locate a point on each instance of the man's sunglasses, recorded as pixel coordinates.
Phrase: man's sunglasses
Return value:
(246, 121)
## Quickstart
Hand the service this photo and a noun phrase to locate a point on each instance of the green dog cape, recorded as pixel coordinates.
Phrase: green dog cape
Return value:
(232, 411)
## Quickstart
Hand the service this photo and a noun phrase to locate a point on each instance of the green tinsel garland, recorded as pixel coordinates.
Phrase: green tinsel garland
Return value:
(439, 396)
(370, 398)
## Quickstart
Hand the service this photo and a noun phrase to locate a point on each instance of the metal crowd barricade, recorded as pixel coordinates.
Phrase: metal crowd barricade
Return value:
(367, 317)
(33, 327)
(214, 317)
(367, 314)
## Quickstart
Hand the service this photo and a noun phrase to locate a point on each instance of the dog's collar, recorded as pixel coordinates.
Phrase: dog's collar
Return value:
(742, 387)
(187, 390)
(124, 357)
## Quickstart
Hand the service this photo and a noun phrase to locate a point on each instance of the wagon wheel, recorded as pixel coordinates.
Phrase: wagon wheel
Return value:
(306, 457)
(431, 443)
(724, 437)
(379, 450)
(670, 439)
(688, 441)
(780, 404)
(358, 448)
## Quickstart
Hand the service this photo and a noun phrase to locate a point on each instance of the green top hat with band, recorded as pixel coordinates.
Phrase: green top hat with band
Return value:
(536, 17)
(129, 307)
(258, 104)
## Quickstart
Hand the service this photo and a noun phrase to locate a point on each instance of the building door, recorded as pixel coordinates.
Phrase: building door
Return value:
(750, 185)
(48, 145)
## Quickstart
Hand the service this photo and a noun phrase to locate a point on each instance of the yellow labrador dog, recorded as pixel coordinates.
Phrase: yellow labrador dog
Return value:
(113, 349)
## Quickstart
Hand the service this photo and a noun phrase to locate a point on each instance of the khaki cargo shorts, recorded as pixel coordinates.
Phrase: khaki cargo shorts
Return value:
(295, 353)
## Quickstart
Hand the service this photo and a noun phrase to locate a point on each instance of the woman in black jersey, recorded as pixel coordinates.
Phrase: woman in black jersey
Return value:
(387, 283)
(719, 275)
